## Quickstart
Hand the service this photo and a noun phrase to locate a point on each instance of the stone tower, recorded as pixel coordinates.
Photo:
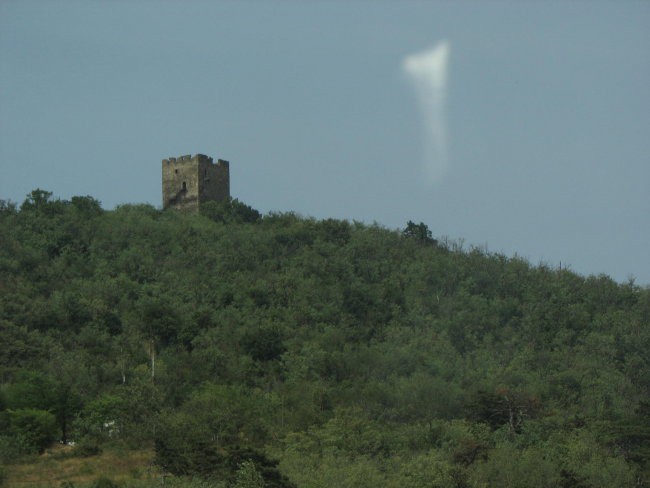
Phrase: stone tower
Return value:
(188, 181)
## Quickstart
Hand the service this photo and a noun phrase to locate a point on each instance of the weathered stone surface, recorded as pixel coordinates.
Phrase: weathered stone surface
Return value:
(188, 181)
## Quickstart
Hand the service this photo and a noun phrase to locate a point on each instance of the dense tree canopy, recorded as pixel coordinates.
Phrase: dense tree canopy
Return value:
(282, 351)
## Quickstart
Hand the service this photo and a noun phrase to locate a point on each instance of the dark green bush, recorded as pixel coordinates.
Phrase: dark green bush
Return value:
(36, 429)
(230, 211)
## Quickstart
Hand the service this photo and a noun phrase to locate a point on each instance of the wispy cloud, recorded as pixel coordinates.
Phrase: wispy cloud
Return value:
(428, 72)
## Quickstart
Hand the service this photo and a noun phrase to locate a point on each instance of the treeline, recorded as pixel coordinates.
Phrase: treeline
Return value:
(275, 350)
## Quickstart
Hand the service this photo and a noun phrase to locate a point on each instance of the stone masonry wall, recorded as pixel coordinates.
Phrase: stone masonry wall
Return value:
(188, 181)
(214, 180)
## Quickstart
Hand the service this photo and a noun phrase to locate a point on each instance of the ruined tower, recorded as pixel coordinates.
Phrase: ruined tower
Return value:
(188, 181)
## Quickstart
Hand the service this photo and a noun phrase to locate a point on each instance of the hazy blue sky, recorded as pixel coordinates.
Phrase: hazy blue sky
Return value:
(543, 110)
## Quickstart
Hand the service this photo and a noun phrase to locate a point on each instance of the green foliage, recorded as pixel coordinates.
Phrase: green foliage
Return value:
(264, 343)
(21, 347)
(33, 429)
(196, 438)
(509, 467)
(103, 416)
(87, 206)
(218, 432)
(230, 211)
(30, 389)
(38, 200)
(630, 435)
(585, 462)
(352, 354)
(503, 407)
(428, 470)
(419, 232)
(248, 477)
(34, 390)
(7, 208)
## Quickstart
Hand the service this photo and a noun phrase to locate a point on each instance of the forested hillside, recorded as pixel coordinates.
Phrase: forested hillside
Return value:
(282, 351)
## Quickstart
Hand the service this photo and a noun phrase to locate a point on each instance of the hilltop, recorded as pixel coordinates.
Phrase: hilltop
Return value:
(277, 350)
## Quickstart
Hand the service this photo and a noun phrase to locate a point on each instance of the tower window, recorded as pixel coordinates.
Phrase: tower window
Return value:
(184, 186)
(176, 171)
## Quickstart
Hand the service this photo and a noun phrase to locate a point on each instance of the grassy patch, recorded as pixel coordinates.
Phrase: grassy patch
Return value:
(53, 468)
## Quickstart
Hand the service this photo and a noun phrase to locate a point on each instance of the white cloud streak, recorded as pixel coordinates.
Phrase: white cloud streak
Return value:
(428, 73)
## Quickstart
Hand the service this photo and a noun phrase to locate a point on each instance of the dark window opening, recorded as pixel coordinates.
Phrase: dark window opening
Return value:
(175, 171)
(184, 186)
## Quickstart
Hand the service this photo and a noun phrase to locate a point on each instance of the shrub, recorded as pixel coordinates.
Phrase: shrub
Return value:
(35, 428)
(230, 211)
